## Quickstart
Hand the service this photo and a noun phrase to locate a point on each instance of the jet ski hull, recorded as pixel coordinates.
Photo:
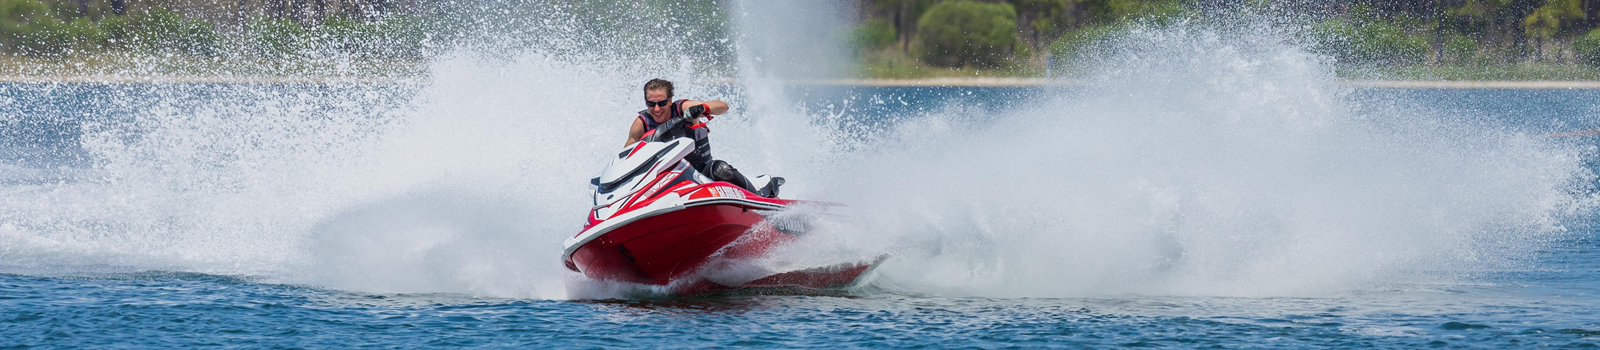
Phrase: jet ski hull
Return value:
(667, 250)
(656, 221)
(658, 249)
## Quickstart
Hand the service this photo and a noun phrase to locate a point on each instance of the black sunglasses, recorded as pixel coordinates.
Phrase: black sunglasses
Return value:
(662, 103)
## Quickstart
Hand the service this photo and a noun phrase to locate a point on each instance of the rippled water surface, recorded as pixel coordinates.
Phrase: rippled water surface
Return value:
(176, 309)
(343, 216)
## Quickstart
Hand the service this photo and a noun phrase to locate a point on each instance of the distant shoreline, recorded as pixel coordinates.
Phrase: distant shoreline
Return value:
(1368, 83)
(197, 79)
(1482, 84)
(928, 82)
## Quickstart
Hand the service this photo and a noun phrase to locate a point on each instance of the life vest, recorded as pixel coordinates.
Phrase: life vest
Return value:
(702, 144)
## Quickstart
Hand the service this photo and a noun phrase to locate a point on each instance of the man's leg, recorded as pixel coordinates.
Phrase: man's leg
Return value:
(721, 171)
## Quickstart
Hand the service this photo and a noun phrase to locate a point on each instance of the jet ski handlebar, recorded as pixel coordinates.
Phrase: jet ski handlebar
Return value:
(668, 128)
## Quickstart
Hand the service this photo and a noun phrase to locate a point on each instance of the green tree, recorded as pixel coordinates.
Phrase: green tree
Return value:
(1041, 17)
(903, 15)
(1477, 11)
(955, 33)
(1545, 21)
(1494, 23)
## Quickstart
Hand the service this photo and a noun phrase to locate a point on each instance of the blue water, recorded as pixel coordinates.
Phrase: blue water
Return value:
(68, 292)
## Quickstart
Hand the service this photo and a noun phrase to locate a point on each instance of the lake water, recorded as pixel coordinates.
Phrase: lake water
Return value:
(1114, 214)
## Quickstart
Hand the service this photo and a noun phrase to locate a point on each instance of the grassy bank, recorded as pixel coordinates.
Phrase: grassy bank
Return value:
(159, 67)
(880, 69)
(894, 63)
(1509, 72)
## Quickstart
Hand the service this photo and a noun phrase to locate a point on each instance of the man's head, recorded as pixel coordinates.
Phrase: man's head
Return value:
(657, 96)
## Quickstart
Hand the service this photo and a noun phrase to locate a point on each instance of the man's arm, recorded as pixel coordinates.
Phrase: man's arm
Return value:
(635, 132)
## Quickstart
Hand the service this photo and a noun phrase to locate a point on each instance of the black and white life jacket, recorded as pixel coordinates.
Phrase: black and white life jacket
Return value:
(702, 145)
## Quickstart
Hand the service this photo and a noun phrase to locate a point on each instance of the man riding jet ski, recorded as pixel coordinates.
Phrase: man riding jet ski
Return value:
(670, 119)
(657, 219)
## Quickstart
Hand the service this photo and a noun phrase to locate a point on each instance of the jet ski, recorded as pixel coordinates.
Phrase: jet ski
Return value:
(657, 221)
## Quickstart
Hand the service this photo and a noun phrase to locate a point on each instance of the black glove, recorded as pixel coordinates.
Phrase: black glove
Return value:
(697, 111)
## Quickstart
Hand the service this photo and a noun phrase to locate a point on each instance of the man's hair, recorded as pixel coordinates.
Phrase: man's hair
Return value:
(658, 84)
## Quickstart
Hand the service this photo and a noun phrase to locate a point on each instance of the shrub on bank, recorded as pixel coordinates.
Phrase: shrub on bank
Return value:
(958, 32)
(163, 31)
(398, 36)
(394, 37)
(1076, 46)
(276, 38)
(26, 27)
(1109, 12)
(1587, 48)
(873, 35)
(50, 36)
(1367, 42)
(1460, 49)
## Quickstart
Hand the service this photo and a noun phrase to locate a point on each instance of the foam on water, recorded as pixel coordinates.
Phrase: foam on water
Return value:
(462, 183)
(1204, 164)
(1200, 163)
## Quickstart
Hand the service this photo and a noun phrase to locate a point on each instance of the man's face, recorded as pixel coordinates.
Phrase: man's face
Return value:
(658, 112)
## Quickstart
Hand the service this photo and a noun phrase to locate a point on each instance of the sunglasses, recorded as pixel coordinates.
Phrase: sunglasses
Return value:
(662, 103)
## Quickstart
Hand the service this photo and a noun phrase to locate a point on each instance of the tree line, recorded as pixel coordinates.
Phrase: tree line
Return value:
(943, 33)
(998, 33)
(203, 28)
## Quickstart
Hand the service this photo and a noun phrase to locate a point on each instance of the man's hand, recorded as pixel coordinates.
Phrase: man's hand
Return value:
(698, 110)
(712, 107)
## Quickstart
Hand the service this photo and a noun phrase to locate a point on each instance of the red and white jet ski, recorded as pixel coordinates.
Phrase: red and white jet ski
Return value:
(657, 221)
